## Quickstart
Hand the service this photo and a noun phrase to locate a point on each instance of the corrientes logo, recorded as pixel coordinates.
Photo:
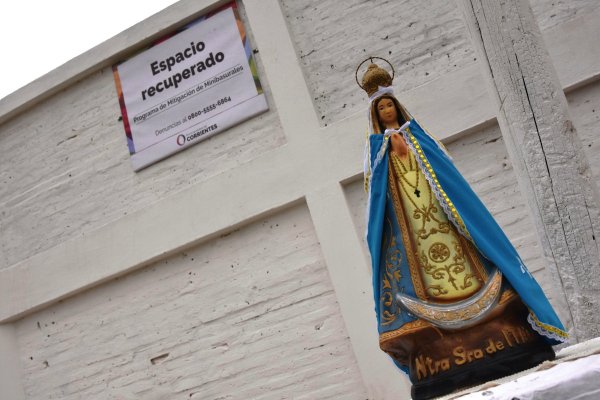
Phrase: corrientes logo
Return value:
(181, 140)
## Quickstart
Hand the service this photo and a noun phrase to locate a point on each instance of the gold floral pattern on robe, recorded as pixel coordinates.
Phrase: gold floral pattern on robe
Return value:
(445, 264)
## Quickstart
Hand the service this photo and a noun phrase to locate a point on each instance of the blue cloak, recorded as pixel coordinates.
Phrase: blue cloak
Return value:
(467, 213)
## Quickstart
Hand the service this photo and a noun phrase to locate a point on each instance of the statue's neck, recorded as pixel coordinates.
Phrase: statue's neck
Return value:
(392, 126)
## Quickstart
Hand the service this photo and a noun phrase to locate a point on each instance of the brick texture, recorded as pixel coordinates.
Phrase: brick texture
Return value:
(249, 315)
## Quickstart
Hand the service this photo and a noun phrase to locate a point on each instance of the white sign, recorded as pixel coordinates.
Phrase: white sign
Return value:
(188, 88)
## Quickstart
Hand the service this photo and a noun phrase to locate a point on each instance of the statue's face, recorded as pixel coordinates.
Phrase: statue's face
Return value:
(386, 110)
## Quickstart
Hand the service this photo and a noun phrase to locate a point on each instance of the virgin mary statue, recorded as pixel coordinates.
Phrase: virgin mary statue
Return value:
(455, 305)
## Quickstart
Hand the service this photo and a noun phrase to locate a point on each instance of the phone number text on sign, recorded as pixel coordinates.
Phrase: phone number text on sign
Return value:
(209, 108)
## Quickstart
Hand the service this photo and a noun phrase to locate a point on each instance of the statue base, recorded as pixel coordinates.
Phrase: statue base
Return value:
(478, 372)
(441, 362)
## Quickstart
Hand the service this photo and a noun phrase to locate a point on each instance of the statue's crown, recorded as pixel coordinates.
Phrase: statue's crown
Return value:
(374, 78)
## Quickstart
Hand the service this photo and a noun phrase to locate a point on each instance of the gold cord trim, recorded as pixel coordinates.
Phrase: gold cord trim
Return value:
(547, 327)
(441, 191)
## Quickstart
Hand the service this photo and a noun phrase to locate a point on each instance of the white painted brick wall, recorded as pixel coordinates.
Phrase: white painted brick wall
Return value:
(79, 148)
(208, 315)
(270, 327)
(65, 167)
(550, 13)
(422, 39)
(250, 315)
(585, 109)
